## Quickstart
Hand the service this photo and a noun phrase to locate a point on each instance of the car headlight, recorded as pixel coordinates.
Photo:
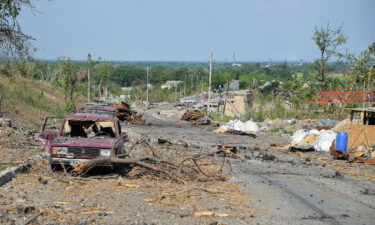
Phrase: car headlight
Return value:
(59, 150)
(105, 152)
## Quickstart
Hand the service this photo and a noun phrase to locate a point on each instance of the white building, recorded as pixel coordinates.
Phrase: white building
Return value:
(170, 84)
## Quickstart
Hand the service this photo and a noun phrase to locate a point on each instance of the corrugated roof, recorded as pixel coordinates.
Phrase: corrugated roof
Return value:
(365, 109)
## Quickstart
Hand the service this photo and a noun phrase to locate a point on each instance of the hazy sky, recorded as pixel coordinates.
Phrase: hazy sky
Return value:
(188, 30)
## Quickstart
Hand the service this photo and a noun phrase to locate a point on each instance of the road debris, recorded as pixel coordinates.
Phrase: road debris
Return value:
(238, 127)
(192, 115)
(125, 113)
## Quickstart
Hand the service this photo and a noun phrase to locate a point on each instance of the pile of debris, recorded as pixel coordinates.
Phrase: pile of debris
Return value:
(16, 145)
(238, 127)
(312, 140)
(196, 117)
(324, 140)
(125, 113)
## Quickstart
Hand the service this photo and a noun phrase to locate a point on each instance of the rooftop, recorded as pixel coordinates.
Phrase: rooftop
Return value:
(89, 116)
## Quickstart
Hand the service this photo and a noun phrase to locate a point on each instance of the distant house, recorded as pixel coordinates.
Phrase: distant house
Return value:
(170, 84)
(126, 88)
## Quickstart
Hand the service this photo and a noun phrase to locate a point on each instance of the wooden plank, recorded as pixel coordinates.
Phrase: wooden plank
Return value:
(361, 135)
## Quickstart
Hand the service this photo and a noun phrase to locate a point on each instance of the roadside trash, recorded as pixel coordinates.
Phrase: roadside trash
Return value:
(292, 121)
(301, 148)
(309, 139)
(298, 136)
(205, 120)
(326, 124)
(341, 141)
(325, 141)
(277, 124)
(304, 140)
(238, 127)
(210, 214)
(314, 131)
(342, 126)
(191, 115)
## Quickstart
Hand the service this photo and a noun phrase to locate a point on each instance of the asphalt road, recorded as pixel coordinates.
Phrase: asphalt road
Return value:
(284, 189)
(274, 187)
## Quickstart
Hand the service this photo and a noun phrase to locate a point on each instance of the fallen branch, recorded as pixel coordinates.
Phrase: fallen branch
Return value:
(33, 218)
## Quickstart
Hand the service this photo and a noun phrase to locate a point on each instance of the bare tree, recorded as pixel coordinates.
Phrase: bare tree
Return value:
(328, 40)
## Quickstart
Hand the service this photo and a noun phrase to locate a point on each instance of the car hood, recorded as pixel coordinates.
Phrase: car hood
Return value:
(84, 142)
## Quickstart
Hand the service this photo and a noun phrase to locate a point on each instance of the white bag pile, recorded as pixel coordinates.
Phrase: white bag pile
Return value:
(325, 140)
(247, 127)
(322, 143)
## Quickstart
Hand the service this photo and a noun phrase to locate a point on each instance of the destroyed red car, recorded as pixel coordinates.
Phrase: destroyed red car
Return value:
(82, 137)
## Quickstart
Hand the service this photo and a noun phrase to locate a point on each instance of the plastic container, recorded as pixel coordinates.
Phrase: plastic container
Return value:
(341, 141)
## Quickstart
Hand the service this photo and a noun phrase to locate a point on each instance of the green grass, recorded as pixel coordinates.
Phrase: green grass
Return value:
(30, 101)
(37, 151)
(217, 117)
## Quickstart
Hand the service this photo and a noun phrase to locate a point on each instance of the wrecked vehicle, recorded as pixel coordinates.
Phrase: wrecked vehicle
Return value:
(122, 112)
(125, 113)
(96, 109)
(82, 137)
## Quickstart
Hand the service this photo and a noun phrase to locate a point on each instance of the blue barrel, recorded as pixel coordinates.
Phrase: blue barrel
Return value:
(342, 141)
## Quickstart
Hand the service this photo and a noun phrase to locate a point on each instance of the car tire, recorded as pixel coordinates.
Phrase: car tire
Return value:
(122, 169)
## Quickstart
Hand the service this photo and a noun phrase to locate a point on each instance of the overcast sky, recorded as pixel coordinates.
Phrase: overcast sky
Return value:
(188, 30)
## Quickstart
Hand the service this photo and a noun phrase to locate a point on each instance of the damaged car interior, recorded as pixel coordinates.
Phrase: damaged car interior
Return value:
(89, 129)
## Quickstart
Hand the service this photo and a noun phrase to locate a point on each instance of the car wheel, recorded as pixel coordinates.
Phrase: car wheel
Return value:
(122, 169)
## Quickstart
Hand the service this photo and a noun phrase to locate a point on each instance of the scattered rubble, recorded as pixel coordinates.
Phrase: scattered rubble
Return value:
(192, 115)
(16, 144)
(196, 118)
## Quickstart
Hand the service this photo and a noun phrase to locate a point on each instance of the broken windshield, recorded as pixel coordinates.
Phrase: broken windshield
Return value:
(89, 129)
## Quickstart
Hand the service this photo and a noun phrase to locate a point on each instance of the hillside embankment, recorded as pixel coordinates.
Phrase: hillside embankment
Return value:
(27, 102)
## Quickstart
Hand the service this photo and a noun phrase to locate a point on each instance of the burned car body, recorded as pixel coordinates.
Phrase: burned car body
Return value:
(122, 111)
(82, 137)
(96, 109)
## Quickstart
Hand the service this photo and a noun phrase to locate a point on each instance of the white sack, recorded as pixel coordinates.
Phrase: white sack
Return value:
(298, 136)
(325, 140)
(251, 126)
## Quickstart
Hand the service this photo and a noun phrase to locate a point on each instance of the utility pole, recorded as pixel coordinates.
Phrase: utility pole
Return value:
(191, 84)
(175, 94)
(185, 85)
(209, 86)
(202, 83)
(147, 86)
(89, 78)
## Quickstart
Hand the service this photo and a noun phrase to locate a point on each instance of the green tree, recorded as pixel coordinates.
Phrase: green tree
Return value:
(328, 41)
(363, 71)
(70, 82)
(102, 75)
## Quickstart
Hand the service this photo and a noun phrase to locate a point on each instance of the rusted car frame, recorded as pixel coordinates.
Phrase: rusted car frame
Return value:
(82, 137)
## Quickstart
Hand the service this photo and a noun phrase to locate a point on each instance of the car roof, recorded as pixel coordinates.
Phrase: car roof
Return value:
(90, 116)
(97, 107)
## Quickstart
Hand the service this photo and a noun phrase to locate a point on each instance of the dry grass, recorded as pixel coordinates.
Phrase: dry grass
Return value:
(29, 101)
